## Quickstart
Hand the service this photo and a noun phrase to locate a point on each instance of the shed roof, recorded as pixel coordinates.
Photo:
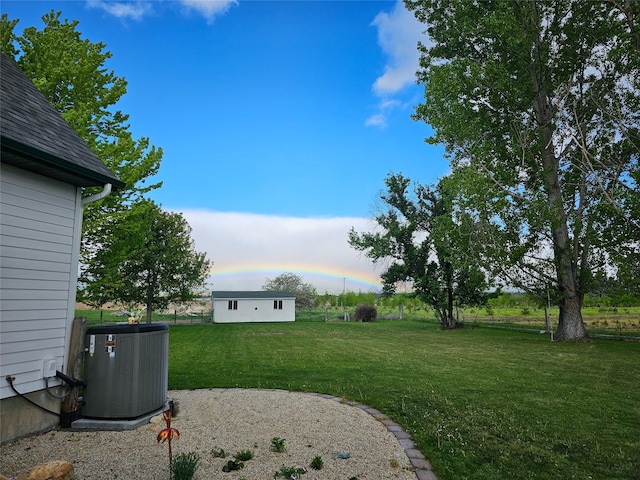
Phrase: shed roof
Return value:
(239, 294)
(35, 137)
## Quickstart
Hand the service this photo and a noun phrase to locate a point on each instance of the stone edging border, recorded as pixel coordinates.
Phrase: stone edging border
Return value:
(422, 466)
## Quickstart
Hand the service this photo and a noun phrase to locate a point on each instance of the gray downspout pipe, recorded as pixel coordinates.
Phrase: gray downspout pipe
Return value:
(106, 190)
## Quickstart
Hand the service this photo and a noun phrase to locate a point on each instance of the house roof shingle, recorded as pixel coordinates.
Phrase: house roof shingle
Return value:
(35, 137)
(243, 294)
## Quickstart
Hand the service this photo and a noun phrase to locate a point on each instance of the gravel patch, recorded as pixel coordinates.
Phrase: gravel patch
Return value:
(232, 420)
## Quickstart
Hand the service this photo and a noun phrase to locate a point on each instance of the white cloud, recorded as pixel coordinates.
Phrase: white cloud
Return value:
(137, 9)
(248, 249)
(377, 120)
(380, 119)
(125, 10)
(209, 8)
(398, 35)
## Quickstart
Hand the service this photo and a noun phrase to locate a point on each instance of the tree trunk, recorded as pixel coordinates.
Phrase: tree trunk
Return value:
(450, 323)
(449, 320)
(450, 304)
(570, 323)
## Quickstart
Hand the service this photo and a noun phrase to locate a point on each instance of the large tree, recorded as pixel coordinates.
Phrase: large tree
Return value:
(537, 103)
(149, 259)
(72, 73)
(422, 242)
(290, 282)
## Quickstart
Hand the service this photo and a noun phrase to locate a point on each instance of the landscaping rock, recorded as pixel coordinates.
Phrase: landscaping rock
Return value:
(58, 470)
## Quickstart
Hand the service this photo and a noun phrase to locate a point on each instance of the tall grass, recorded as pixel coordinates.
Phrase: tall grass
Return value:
(479, 403)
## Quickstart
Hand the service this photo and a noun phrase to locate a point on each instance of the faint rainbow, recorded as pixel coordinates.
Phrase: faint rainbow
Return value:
(363, 280)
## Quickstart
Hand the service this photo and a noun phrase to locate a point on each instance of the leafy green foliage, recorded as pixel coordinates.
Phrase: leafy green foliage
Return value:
(232, 465)
(424, 243)
(278, 444)
(290, 282)
(536, 103)
(243, 455)
(290, 473)
(7, 36)
(317, 463)
(184, 466)
(148, 259)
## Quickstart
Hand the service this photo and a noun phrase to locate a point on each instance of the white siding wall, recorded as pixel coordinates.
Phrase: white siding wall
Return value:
(254, 310)
(38, 225)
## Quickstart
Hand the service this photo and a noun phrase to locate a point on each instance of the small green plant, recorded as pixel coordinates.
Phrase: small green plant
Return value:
(218, 453)
(184, 466)
(290, 473)
(277, 444)
(317, 463)
(232, 465)
(243, 455)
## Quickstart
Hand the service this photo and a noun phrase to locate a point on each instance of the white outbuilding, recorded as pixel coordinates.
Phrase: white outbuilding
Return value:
(253, 306)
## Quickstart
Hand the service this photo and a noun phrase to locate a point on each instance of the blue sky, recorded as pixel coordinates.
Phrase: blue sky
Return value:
(279, 122)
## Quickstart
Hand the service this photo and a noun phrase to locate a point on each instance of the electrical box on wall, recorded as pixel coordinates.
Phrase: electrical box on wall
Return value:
(48, 367)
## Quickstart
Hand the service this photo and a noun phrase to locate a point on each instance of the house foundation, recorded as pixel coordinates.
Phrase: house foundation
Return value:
(19, 418)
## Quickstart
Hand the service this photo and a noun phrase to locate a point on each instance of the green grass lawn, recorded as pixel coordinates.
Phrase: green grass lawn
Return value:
(479, 403)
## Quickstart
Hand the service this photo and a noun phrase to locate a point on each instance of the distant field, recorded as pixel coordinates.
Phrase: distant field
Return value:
(606, 320)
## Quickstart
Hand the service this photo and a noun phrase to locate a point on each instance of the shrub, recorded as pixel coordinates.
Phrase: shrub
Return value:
(365, 313)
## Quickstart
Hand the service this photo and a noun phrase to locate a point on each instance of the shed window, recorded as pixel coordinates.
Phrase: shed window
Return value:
(233, 304)
(277, 304)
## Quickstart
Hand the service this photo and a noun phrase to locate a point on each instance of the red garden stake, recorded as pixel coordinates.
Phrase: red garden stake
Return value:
(167, 434)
